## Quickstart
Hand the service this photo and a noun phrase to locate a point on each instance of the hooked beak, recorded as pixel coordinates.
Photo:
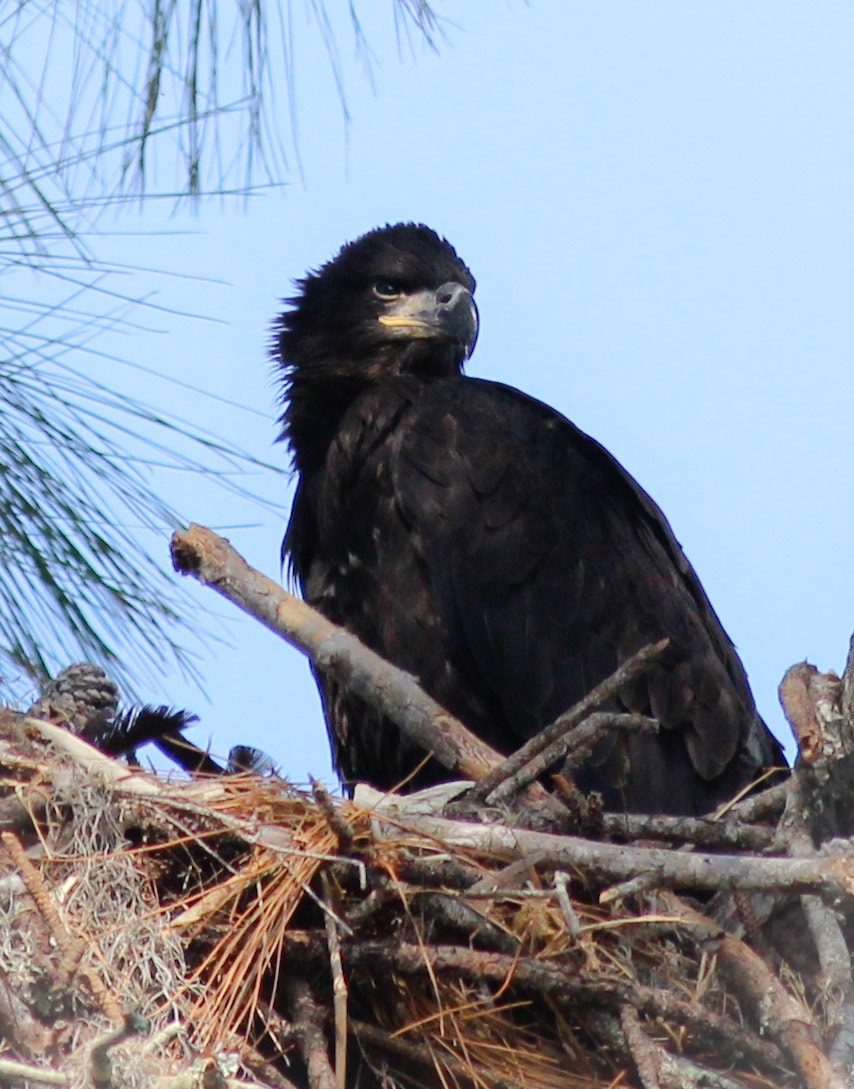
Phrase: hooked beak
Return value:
(448, 313)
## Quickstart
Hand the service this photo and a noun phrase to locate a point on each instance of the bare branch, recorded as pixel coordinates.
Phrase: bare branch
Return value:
(644, 1052)
(831, 873)
(634, 667)
(339, 990)
(211, 559)
(573, 747)
(308, 1025)
(11, 1069)
(701, 831)
(561, 986)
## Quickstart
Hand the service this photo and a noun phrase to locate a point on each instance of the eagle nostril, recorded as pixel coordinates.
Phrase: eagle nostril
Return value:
(449, 293)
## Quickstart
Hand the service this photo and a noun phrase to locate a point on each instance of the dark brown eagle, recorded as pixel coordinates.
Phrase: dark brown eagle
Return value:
(477, 539)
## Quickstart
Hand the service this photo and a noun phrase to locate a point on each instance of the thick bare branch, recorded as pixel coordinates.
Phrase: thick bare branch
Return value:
(812, 702)
(562, 986)
(830, 873)
(333, 650)
(765, 805)
(211, 559)
(701, 831)
(645, 1052)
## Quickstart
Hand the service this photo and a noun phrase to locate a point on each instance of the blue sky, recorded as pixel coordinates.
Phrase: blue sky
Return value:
(656, 200)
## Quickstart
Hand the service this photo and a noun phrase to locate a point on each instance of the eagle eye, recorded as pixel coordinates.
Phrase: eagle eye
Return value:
(386, 289)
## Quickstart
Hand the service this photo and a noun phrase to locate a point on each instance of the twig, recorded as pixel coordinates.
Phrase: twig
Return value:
(273, 1080)
(161, 1038)
(11, 1069)
(836, 983)
(280, 1030)
(643, 1050)
(784, 1016)
(385, 893)
(765, 805)
(778, 1012)
(628, 671)
(268, 1077)
(702, 831)
(307, 1020)
(20, 815)
(573, 923)
(339, 991)
(563, 986)
(453, 910)
(831, 947)
(393, 1044)
(572, 747)
(512, 876)
(674, 1071)
(18, 1027)
(452, 873)
(641, 882)
(581, 738)
(328, 912)
(337, 822)
(100, 1067)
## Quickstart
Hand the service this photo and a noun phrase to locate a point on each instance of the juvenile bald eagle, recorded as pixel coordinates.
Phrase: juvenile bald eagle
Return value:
(479, 540)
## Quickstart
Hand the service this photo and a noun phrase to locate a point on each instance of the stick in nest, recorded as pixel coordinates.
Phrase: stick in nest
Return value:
(339, 989)
(634, 667)
(832, 874)
(572, 747)
(779, 1012)
(307, 1018)
(566, 987)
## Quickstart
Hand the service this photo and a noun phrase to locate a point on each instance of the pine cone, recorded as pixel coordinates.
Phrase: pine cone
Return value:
(82, 697)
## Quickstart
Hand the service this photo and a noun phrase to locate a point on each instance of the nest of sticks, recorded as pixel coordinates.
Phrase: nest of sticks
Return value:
(238, 931)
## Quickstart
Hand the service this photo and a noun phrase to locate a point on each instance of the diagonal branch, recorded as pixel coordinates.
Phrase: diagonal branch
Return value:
(634, 667)
(199, 552)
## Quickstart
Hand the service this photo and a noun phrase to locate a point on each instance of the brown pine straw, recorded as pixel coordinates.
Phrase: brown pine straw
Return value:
(257, 905)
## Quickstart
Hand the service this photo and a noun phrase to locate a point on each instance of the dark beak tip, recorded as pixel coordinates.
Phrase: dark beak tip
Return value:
(459, 313)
